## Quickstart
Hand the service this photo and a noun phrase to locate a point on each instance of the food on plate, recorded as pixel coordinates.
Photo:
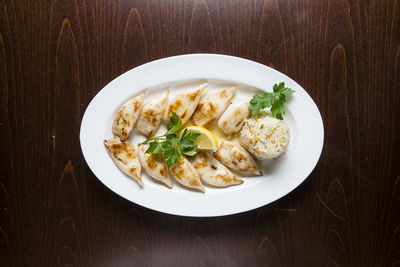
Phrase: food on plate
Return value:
(170, 145)
(151, 114)
(265, 137)
(233, 118)
(275, 100)
(206, 139)
(127, 116)
(186, 174)
(212, 106)
(183, 153)
(236, 158)
(184, 103)
(125, 156)
(154, 165)
(212, 172)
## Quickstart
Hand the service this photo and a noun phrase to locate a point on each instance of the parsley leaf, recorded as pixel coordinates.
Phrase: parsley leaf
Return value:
(173, 138)
(187, 145)
(260, 102)
(165, 145)
(275, 100)
(174, 123)
(171, 155)
(277, 109)
(170, 145)
(190, 152)
(188, 138)
(154, 148)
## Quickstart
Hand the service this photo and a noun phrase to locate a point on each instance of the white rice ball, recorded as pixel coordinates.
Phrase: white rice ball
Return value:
(265, 137)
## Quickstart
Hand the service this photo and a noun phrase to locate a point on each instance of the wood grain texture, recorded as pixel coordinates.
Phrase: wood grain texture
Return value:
(56, 55)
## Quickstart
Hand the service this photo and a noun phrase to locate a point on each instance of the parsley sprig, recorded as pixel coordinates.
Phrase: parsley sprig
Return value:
(170, 145)
(274, 100)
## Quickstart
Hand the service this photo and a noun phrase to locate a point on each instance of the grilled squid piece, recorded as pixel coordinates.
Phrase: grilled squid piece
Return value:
(154, 167)
(127, 116)
(186, 174)
(125, 156)
(212, 106)
(151, 115)
(232, 119)
(236, 158)
(212, 172)
(184, 103)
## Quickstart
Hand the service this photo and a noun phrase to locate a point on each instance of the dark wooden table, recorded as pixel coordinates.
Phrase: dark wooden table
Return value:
(56, 55)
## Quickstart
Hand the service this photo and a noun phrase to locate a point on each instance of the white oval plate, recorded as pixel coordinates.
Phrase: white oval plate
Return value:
(280, 176)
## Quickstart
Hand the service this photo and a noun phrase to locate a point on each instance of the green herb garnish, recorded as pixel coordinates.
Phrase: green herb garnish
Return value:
(274, 100)
(170, 145)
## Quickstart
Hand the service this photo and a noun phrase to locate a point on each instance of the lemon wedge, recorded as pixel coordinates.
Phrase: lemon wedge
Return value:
(206, 140)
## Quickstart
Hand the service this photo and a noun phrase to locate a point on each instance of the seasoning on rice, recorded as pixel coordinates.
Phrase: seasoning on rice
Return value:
(265, 137)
